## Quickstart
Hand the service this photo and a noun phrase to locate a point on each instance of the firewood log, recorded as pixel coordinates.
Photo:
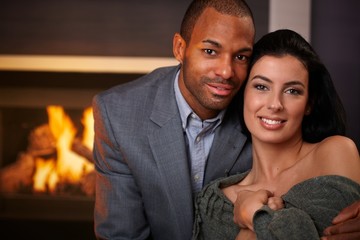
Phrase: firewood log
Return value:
(88, 183)
(41, 142)
(79, 148)
(17, 175)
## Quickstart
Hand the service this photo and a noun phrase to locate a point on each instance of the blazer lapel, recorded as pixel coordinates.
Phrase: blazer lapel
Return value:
(168, 145)
(226, 149)
(171, 158)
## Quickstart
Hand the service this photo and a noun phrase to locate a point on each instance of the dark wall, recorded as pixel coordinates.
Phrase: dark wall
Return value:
(93, 27)
(89, 27)
(336, 38)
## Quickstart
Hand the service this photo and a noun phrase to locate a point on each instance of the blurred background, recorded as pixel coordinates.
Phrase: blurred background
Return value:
(61, 53)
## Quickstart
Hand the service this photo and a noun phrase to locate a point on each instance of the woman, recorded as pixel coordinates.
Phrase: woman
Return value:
(304, 169)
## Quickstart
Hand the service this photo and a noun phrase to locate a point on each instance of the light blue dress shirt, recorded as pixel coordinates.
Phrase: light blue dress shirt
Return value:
(199, 136)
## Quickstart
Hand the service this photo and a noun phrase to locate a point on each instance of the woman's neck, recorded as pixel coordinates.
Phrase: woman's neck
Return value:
(270, 161)
(278, 167)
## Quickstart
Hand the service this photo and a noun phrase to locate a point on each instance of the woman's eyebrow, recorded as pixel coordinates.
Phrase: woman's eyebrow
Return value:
(262, 78)
(290, 83)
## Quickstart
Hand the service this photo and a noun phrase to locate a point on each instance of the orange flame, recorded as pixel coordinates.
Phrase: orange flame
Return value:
(88, 123)
(68, 167)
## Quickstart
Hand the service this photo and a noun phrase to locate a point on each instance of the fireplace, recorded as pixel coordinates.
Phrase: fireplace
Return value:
(25, 99)
(29, 86)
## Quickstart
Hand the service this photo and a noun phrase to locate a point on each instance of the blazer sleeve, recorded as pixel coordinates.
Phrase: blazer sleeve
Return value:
(119, 209)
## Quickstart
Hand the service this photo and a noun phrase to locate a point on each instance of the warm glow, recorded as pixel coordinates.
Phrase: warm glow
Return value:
(45, 175)
(68, 167)
(88, 123)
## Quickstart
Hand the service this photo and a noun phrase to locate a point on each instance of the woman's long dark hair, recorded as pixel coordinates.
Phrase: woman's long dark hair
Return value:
(327, 114)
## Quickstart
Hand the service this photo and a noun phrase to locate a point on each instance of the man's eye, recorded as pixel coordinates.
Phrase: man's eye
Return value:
(209, 51)
(242, 58)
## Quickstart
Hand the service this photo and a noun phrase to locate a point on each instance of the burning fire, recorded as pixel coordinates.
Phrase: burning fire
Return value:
(68, 167)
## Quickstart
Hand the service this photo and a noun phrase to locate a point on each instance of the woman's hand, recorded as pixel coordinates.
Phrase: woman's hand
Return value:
(248, 202)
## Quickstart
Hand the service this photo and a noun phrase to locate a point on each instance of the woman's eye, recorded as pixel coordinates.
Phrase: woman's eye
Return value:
(293, 91)
(260, 87)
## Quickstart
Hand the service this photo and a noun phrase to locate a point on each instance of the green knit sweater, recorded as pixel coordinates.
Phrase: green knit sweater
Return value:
(310, 207)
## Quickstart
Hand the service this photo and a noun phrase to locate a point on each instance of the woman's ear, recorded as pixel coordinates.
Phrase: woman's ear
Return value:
(308, 111)
(179, 46)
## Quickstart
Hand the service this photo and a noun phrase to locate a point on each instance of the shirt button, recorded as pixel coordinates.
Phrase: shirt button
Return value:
(196, 178)
(198, 139)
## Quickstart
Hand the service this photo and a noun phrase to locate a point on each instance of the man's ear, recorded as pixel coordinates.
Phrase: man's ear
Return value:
(179, 46)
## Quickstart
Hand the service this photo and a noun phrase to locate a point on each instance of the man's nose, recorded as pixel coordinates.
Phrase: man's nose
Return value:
(225, 69)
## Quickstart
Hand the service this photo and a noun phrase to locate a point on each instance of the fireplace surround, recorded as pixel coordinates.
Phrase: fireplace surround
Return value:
(25, 92)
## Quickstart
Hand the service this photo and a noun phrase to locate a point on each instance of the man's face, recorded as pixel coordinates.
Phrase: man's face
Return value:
(215, 61)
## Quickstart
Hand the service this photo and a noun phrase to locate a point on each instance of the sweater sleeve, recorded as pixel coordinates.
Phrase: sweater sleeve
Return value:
(289, 223)
(310, 207)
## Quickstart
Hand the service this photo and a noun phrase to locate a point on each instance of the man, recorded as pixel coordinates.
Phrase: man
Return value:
(160, 138)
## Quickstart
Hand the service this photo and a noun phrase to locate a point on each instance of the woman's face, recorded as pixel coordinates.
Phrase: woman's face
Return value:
(275, 99)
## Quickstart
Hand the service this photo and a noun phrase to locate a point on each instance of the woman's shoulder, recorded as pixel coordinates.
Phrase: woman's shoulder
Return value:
(337, 146)
(338, 155)
(342, 141)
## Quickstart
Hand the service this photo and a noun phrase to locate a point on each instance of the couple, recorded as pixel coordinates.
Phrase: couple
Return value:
(161, 138)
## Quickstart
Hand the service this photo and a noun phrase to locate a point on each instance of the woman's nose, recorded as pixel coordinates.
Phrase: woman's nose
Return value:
(275, 103)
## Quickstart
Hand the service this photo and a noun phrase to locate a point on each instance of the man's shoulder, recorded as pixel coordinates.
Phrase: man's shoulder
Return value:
(162, 72)
(148, 80)
(141, 91)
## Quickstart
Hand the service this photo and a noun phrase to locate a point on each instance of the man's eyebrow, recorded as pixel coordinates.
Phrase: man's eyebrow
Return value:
(212, 42)
(218, 45)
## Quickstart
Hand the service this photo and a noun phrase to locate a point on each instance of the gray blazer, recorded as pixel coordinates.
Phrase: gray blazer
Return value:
(143, 188)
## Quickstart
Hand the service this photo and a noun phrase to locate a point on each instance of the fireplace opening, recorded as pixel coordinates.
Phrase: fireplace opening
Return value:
(55, 159)
(29, 149)
(31, 103)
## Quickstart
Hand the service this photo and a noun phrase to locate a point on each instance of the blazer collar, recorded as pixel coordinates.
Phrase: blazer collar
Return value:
(165, 107)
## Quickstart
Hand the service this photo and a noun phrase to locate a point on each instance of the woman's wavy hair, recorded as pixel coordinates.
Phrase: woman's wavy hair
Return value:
(327, 114)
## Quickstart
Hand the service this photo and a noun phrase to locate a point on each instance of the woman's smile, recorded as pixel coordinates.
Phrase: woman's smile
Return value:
(271, 124)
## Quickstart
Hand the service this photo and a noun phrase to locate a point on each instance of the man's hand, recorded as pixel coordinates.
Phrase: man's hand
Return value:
(346, 225)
